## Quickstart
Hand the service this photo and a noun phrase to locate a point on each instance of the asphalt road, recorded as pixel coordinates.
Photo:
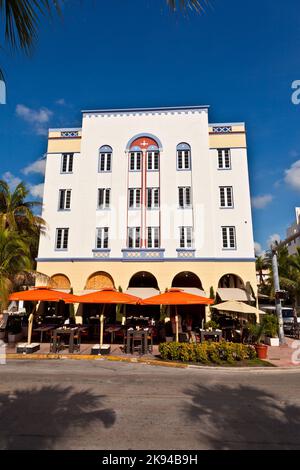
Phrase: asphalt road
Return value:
(71, 404)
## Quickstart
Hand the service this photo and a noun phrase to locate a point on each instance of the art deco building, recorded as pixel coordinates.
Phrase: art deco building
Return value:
(149, 198)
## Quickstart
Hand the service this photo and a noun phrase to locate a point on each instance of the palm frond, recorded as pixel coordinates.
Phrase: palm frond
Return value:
(21, 19)
(197, 5)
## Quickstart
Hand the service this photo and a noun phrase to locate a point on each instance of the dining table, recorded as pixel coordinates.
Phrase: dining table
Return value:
(65, 331)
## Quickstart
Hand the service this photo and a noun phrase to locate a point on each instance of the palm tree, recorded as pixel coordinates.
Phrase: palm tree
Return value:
(15, 259)
(16, 214)
(261, 264)
(183, 4)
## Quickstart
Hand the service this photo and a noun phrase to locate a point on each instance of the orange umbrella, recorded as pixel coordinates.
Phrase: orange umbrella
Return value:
(107, 296)
(177, 297)
(43, 294)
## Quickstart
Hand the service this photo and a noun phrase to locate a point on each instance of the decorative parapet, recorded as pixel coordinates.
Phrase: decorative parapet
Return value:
(69, 134)
(132, 253)
(101, 253)
(185, 253)
(222, 129)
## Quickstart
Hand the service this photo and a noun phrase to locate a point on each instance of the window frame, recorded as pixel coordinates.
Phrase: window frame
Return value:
(105, 154)
(104, 205)
(135, 192)
(184, 229)
(69, 162)
(64, 192)
(183, 157)
(152, 160)
(153, 191)
(222, 157)
(134, 231)
(104, 240)
(184, 192)
(226, 205)
(227, 228)
(153, 230)
(63, 229)
(135, 160)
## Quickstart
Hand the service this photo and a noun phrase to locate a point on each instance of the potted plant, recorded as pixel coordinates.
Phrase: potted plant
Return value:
(270, 323)
(257, 332)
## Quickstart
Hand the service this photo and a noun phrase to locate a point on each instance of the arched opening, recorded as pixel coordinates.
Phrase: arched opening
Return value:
(142, 284)
(143, 279)
(231, 281)
(99, 280)
(187, 279)
(193, 315)
(60, 281)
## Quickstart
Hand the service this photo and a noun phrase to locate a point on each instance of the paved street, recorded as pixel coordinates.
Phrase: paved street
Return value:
(99, 405)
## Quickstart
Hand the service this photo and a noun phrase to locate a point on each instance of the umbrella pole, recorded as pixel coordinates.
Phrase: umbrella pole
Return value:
(30, 324)
(176, 325)
(101, 326)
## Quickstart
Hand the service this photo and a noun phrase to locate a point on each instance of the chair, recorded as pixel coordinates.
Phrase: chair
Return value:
(55, 343)
(77, 340)
(137, 342)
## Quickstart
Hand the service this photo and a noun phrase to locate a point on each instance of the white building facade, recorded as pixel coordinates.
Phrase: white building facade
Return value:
(155, 194)
(292, 229)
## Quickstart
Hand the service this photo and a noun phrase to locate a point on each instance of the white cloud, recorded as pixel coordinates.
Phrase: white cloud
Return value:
(39, 118)
(11, 180)
(273, 238)
(38, 166)
(260, 202)
(292, 175)
(258, 249)
(61, 102)
(37, 190)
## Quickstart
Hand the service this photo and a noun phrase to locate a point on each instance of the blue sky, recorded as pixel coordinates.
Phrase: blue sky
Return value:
(241, 58)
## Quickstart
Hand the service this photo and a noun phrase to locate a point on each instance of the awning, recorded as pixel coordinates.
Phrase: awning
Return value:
(193, 290)
(233, 293)
(142, 292)
(236, 307)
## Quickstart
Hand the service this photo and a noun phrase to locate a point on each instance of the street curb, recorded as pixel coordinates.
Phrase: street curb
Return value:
(136, 360)
(88, 357)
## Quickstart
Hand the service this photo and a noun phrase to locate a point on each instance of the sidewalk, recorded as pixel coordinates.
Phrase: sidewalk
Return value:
(287, 355)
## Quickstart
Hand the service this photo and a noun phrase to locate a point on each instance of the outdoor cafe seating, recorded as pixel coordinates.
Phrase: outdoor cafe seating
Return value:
(138, 340)
(65, 338)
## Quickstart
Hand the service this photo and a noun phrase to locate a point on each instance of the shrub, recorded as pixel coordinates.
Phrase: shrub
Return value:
(207, 352)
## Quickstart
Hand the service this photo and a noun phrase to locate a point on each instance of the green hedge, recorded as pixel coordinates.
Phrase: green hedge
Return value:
(207, 352)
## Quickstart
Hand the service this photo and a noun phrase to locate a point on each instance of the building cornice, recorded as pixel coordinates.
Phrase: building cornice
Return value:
(126, 111)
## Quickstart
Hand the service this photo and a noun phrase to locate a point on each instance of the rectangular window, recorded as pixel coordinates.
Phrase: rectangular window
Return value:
(184, 197)
(183, 159)
(103, 198)
(105, 161)
(153, 237)
(152, 198)
(62, 237)
(102, 238)
(67, 163)
(64, 199)
(134, 198)
(226, 196)
(134, 237)
(186, 239)
(224, 159)
(228, 238)
(152, 160)
(135, 161)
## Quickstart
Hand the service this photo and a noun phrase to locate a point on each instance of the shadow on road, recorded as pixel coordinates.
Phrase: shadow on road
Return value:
(38, 418)
(243, 417)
